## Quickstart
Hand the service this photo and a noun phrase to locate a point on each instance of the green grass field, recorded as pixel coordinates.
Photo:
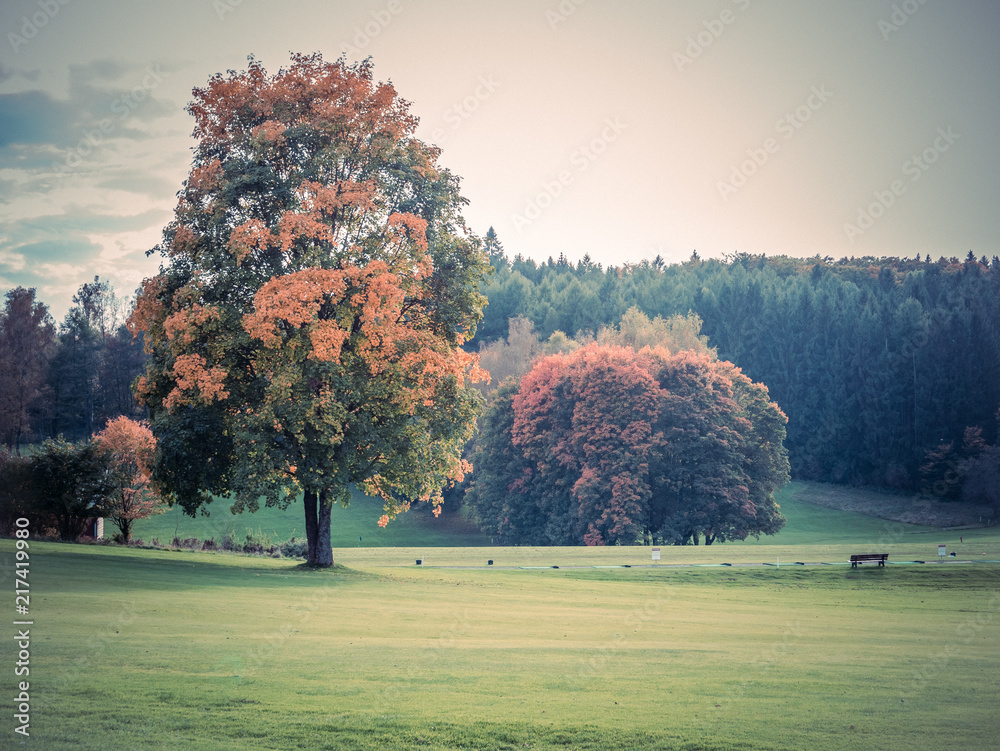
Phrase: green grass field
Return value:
(151, 649)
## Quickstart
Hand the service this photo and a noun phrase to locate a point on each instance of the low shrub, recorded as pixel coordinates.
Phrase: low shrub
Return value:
(295, 548)
(229, 542)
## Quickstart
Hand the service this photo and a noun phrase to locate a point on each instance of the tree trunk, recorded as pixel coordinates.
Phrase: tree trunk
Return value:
(324, 550)
(312, 525)
(318, 510)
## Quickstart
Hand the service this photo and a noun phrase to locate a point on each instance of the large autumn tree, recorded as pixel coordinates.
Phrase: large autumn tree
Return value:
(607, 445)
(305, 332)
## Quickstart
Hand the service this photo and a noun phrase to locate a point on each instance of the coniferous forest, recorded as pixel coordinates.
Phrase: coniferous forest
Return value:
(888, 369)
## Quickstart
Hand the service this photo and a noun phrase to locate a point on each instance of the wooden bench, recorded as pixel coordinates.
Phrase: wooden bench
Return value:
(880, 557)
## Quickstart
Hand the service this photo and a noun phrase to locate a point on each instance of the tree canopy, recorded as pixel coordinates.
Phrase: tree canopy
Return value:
(305, 333)
(876, 361)
(26, 343)
(606, 445)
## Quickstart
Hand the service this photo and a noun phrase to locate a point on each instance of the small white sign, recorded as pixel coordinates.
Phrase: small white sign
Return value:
(941, 550)
(656, 554)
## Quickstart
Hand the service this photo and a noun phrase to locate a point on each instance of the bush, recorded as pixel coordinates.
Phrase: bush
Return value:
(295, 548)
(70, 480)
(257, 543)
(209, 545)
(229, 541)
(15, 493)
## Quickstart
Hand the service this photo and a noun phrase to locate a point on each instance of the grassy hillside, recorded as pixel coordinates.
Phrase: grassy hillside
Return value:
(356, 525)
(166, 650)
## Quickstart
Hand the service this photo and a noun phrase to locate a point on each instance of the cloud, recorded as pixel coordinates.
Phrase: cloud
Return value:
(107, 101)
(33, 117)
(11, 261)
(86, 184)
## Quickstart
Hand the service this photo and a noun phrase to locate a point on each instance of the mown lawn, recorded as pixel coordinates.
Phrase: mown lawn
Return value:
(140, 649)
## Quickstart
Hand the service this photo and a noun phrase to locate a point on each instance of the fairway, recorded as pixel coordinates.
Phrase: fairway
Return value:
(146, 649)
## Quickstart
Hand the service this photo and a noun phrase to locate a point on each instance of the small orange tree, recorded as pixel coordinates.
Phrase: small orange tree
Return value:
(130, 446)
(305, 334)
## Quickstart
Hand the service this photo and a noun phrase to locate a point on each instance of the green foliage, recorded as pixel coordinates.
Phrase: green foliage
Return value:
(92, 367)
(305, 334)
(294, 548)
(70, 483)
(677, 333)
(876, 361)
(17, 497)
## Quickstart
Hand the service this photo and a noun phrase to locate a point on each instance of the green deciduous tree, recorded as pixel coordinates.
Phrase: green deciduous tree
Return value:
(306, 331)
(70, 483)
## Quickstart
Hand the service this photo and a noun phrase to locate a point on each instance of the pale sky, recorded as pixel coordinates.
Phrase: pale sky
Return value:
(622, 130)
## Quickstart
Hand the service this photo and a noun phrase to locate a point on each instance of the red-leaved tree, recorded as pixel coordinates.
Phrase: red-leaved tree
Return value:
(612, 446)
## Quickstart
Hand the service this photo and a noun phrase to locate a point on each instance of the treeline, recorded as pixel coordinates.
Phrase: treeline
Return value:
(881, 364)
(888, 368)
(67, 380)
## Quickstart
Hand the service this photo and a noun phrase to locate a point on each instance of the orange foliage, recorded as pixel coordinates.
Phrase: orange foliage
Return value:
(131, 446)
(320, 95)
(205, 178)
(183, 324)
(147, 307)
(272, 131)
(411, 227)
(253, 234)
(183, 241)
(193, 374)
